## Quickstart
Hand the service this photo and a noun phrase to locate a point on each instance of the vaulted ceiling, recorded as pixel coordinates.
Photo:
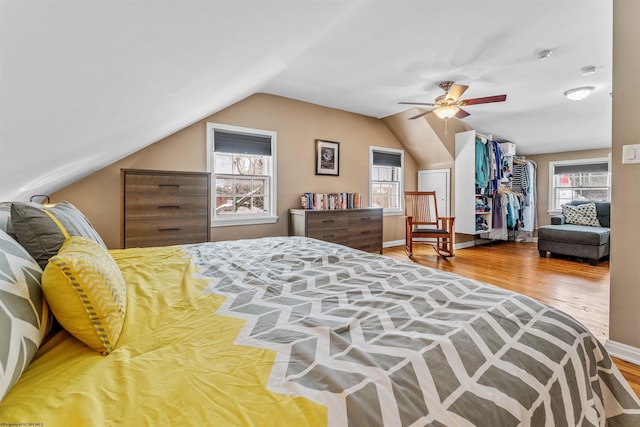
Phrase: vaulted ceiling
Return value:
(85, 83)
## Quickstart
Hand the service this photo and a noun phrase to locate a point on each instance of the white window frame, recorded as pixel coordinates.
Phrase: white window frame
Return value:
(237, 219)
(552, 168)
(388, 211)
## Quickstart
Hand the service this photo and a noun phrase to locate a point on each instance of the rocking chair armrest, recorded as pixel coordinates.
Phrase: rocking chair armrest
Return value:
(446, 222)
(445, 219)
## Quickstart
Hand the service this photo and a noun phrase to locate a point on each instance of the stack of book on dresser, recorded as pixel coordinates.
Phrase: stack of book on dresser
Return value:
(330, 200)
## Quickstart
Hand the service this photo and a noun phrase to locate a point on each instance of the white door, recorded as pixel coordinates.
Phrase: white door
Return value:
(437, 180)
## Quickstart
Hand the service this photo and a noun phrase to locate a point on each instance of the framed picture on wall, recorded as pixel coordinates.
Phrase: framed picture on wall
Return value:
(327, 157)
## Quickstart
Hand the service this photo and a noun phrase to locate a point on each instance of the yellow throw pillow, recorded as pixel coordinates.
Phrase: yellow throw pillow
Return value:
(86, 292)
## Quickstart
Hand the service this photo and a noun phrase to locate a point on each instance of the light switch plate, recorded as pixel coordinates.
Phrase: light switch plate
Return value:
(631, 153)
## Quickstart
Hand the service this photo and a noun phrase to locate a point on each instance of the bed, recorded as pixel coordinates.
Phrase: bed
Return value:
(297, 331)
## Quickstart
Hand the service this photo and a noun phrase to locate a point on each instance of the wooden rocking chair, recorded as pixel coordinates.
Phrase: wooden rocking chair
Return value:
(423, 222)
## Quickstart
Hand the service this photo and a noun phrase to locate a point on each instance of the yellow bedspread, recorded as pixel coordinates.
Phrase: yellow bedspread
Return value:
(175, 363)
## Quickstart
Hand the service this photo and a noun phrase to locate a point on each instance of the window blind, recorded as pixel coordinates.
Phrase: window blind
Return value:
(584, 168)
(241, 143)
(382, 158)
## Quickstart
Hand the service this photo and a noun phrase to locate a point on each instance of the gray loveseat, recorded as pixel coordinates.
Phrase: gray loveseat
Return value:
(580, 241)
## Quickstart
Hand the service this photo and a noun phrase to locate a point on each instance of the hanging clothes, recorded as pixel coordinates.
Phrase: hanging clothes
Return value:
(495, 165)
(498, 217)
(520, 182)
(482, 165)
(529, 216)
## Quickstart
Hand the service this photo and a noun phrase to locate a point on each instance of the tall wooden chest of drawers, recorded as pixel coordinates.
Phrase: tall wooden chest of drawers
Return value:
(359, 228)
(161, 208)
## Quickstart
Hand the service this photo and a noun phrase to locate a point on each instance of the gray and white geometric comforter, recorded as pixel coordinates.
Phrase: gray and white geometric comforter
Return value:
(385, 342)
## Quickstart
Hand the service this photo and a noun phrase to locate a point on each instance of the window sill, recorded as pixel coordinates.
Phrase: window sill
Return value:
(244, 221)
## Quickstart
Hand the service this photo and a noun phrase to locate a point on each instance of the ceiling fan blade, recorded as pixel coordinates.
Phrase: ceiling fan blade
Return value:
(461, 114)
(417, 103)
(485, 100)
(456, 91)
(420, 115)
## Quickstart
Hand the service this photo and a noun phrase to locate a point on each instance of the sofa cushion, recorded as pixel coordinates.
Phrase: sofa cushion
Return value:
(583, 214)
(604, 213)
(602, 208)
(572, 233)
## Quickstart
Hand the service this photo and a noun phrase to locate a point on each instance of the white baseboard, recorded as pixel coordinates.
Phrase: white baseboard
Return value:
(623, 351)
(463, 245)
(393, 243)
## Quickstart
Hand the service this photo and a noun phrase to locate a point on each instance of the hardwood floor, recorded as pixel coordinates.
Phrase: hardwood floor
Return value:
(580, 289)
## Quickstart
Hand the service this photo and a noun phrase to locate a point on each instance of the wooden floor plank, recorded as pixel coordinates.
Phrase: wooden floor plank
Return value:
(580, 289)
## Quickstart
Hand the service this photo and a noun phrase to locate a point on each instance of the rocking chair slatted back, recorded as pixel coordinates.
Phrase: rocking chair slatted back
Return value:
(421, 209)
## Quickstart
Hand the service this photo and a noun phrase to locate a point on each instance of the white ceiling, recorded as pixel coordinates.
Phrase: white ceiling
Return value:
(85, 83)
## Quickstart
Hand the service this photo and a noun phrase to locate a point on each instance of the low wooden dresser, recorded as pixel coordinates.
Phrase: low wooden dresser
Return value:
(359, 228)
(161, 208)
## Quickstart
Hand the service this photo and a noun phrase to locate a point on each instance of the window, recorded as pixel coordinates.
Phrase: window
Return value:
(578, 180)
(242, 163)
(386, 179)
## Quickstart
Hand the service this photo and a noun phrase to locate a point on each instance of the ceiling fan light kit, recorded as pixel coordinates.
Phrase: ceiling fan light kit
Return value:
(579, 93)
(448, 105)
(446, 112)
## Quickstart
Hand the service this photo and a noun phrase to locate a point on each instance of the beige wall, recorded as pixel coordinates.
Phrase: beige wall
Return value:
(297, 123)
(625, 207)
(542, 175)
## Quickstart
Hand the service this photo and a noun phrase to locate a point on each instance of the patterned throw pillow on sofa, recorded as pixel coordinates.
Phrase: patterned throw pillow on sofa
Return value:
(584, 214)
(24, 314)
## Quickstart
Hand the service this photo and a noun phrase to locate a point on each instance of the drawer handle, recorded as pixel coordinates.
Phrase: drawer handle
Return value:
(365, 219)
(365, 246)
(328, 220)
(365, 232)
(169, 185)
(328, 235)
(168, 229)
(169, 207)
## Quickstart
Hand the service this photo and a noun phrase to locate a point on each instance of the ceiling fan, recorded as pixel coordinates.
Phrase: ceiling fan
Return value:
(448, 105)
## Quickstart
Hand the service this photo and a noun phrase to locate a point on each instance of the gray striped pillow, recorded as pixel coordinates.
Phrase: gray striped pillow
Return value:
(41, 235)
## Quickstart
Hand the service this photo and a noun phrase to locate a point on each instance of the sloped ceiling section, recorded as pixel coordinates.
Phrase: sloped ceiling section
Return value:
(85, 83)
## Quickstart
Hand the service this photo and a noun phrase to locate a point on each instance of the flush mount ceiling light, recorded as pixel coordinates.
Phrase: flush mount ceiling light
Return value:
(446, 112)
(579, 93)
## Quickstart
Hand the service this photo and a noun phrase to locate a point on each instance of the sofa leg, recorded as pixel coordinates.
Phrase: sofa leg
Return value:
(593, 261)
(543, 254)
